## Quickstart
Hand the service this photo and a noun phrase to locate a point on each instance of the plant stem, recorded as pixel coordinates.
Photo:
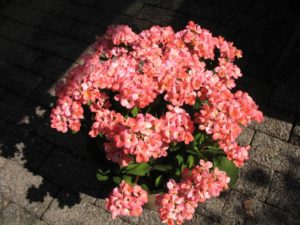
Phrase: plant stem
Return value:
(136, 179)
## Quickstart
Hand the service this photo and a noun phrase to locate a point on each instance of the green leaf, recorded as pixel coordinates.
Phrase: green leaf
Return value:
(199, 139)
(158, 180)
(149, 109)
(102, 177)
(182, 167)
(193, 152)
(228, 166)
(134, 111)
(145, 187)
(214, 151)
(127, 179)
(117, 180)
(190, 161)
(162, 167)
(174, 149)
(141, 64)
(140, 169)
(100, 135)
(179, 159)
(197, 104)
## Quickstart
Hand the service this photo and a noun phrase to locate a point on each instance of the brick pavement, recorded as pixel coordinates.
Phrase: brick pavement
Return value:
(48, 178)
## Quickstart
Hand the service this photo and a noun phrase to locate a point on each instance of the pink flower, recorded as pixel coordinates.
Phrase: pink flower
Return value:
(126, 200)
(196, 186)
(66, 115)
(121, 34)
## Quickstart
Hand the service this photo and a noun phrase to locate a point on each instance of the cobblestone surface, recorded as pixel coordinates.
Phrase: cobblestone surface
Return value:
(25, 189)
(48, 178)
(13, 214)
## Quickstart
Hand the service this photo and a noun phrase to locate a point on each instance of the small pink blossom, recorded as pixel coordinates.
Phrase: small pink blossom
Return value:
(126, 200)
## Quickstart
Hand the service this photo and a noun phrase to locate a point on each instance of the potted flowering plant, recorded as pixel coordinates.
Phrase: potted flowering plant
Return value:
(164, 113)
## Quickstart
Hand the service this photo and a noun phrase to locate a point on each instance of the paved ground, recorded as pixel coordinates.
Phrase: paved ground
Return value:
(49, 178)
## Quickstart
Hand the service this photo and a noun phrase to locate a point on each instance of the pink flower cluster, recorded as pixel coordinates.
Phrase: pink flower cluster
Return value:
(142, 137)
(134, 70)
(126, 200)
(223, 116)
(67, 114)
(196, 186)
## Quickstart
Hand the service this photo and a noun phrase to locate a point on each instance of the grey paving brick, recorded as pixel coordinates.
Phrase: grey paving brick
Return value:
(17, 79)
(55, 7)
(80, 213)
(3, 202)
(133, 8)
(273, 153)
(246, 136)
(77, 143)
(212, 208)
(233, 212)
(284, 194)
(158, 16)
(16, 31)
(2, 124)
(14, 215)
(202, 10)
(23, 2)
(38, 19)
(136, 24)
(39, 222)
(83, 13)
(44, 94)
(233, 4)
(264, 214)
(72, 174)
(200, 219)
(284, 14)
(17, 54)
(51, 67)
(84, 32)
(275, 29)
(295, 136)
(2, 91)
(255, 181)
(175, 4)
(27, 190)
(58, 45)
(286, 97)
(2, 161)
(259, 8)
(243, 21)
(24, 148)
(257, 89)
(19, 110)
(85, 2)
(125, 7)
(276, 123)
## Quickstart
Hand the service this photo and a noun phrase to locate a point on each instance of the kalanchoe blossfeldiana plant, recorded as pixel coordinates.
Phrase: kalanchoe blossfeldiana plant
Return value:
(165, 114)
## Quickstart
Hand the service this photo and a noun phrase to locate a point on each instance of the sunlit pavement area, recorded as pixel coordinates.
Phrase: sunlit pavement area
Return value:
(49, 178)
